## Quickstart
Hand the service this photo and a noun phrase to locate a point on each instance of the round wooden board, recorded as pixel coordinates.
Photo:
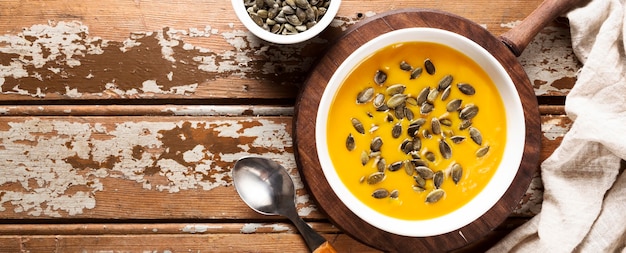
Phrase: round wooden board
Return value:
(304, 133)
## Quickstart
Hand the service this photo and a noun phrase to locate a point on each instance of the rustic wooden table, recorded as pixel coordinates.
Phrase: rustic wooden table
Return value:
(121, 120)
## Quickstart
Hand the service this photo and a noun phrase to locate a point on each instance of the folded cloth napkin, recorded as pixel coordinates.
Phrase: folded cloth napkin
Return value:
(584, 201)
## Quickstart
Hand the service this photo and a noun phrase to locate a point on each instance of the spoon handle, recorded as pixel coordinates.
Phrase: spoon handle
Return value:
(521, 35)
(325, 248)
(314, 241)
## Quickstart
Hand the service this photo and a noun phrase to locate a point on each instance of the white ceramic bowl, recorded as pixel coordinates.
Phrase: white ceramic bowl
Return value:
(244, 17)
(504, 174)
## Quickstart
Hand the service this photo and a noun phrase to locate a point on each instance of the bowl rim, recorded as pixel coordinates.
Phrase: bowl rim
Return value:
(242, 15)
(495, 188)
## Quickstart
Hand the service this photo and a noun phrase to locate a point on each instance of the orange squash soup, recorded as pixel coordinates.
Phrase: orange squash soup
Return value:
(416, 130)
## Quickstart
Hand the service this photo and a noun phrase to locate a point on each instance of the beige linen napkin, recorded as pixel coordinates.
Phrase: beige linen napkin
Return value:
(584, 202)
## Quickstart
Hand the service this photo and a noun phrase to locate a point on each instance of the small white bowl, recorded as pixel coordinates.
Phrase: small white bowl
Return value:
(494, 189)
(244, 17)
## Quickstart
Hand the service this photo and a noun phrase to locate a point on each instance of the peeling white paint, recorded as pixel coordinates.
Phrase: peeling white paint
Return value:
(511, 24)
(548, 58)
(37, 156)
(230, 110)
(198, 228)
(280, 228)
(250, 228)
(553, 128)
(532, 200)
(151, 86)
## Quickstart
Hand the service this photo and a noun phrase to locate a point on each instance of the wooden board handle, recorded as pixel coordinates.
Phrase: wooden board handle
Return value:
(520, 36)
(325, 248)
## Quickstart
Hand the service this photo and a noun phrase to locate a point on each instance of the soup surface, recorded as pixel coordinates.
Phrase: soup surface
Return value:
(400, 194)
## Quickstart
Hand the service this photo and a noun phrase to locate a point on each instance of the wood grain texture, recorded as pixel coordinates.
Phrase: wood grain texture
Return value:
(304, 136)
(119, 121)
(131, 187)
(141, 50)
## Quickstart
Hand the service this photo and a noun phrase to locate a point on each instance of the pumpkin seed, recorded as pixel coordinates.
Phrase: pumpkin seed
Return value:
(424, 172)
(399, 111)
(418, 162)
(380, 164)
(419, 181)
(468, 112)
(456, 172)
(457, 139)
(429, 66)
(375, 154)
(396, 131)
(405, 66)
(379, 100)
(417, 72)
(465, 124)
(411, 101)
(376, 178)
(427, 134)
(417, 144)
(435, 126)
(380, 193)
(476, 136)
(454, 105)
(435, 196)
(396, 100)
(303, 4)
(350, 144)
(376, 144)
(418, 188)
(426, 108)
(365, 95)
(445, 121)
(408, 113)
(438, 179)
(482, 151)
(432, 96)
(380, 77)
(406, 146)
(394, 194)
(373, 128)
(395, 166)
(466, 88)
(444, 82)
(395, 89)
(423, 95)
(430, 156)
(293, 19)
(358, 126)
(364, 157)
(444, 148)
(382, 108)
(409, 167)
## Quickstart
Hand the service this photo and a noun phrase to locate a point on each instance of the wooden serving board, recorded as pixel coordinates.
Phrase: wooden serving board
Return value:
(304, 133)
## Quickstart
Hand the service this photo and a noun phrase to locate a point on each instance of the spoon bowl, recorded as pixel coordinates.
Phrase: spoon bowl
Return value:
(266, 187)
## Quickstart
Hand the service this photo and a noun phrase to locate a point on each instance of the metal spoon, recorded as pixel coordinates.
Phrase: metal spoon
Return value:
(267, 188)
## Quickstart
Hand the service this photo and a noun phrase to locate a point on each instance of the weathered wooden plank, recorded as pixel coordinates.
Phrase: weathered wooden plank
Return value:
(174, 243)
(155, 167)
(12, 237)
(77, 51)
(114, 19)
(146, 110)
(154, 228)
(175, 110)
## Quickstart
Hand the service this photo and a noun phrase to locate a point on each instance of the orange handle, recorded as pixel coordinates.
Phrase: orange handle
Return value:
(520, 36)
(325, 248)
